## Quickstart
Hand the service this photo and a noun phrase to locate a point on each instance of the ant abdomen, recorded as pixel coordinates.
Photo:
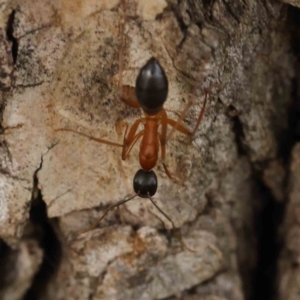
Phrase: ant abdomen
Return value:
(151, 87)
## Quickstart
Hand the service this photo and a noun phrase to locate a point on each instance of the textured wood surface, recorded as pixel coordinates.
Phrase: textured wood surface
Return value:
(59, 69)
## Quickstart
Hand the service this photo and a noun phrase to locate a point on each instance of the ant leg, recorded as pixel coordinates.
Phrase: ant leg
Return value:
(127, 149)
(127, 95)
(200, 115)
(180, 127)
(131, 138)
(126, 92)
(165, 166)
(163, 157)
(90, 137)
(163, 141)
(176, 230)
(105, 213)
(128, 142)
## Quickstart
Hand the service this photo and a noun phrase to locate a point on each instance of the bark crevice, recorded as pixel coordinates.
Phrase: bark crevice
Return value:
(45, 232)
(10, 36)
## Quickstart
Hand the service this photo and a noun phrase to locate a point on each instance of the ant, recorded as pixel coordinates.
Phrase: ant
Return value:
(151, 92)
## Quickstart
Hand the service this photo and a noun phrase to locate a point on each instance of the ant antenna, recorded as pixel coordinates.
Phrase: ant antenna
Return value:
(175, 229)
(145, 186)
(105, 213)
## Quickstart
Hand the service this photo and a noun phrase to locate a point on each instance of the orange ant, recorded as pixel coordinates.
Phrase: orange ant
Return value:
(151, 93)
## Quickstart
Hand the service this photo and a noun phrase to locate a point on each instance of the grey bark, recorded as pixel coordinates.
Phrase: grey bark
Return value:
(64, 75)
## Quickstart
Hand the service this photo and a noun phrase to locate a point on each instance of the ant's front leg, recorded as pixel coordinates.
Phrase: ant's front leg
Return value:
(163, 156)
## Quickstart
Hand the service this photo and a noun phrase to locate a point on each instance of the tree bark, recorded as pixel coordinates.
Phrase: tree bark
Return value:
(60, 68)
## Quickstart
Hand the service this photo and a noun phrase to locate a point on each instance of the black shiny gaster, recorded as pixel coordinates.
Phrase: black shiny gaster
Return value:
(152, 87)
(145, 183)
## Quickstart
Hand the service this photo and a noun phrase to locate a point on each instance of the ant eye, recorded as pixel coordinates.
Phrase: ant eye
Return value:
(152, 87)
(145, 183)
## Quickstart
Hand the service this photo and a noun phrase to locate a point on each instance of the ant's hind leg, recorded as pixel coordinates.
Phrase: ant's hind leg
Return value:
(126, 92)
(201, 114)
(101, 141)
(177, 125)
(127, 95)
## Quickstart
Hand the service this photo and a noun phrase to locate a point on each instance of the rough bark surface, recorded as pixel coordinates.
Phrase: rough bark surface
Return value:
(289, 262)
(59, 68)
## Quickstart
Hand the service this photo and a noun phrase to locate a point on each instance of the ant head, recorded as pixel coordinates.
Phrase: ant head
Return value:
(145, 183)
(151, 87)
